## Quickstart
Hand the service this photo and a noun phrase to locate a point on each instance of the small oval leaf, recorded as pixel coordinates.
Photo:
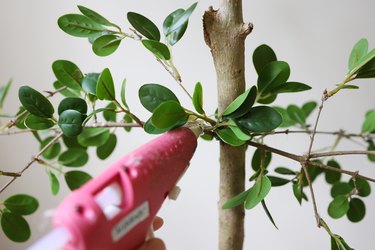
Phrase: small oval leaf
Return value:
(152, 95)
(169, 115)
(15, 227)
(338, 207)
(21, 204)
(35, 102)
(258, 192)
(93, 137)
(144, 26)
(260, 119)
(68, 74)
(74, 157)
(75, 179)
(38, 123)
(79, 25)
(262, 56)
(73, 103)
(160, 50)
(104, 151)
(105, 89)
(106, 45)
(70, 122)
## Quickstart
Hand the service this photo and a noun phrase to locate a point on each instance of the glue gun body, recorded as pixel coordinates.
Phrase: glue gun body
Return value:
(115, 210)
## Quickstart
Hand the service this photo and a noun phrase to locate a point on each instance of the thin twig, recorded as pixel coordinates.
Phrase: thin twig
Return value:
(307, 158)
(112, 125)
(302, 159)
(34, 159)
(177, 79)
(337, 153)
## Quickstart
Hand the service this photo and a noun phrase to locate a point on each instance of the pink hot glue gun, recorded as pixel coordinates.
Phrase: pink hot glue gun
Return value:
(115, 210)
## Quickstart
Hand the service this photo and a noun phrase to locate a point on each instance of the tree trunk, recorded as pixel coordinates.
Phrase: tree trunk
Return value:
(225, 34)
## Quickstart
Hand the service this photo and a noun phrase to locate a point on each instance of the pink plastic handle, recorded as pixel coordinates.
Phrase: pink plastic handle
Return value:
(145, 178)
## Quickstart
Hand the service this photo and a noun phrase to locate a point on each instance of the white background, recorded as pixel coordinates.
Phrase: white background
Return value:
(315, 37)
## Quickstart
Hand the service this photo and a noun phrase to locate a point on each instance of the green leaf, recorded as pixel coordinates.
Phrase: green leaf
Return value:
(258, 192)
(160, 50)
(237, 131)
(266, 99)
(313, 173)
(72, 142)
(63, 90)
(15, 227)
(177, 34)
(70, 122)
(297, 114)
(93, 137)
(68, 74)
(75, 179)
(144, 26)
(151, 129)
(298, 192)
(169, 115)
(338, 207)
(152, 95)
(38, 123)
(369, 122)
(277, 181)
(371, 147)
(54, 183)
(287, 121)
(272, 76)
(237, 200)
(332, 176)
(127, 118)
(123, 88)
(262, 56)
(96, 17)
(53, 150)
(3, 93)
(368, 70)
(338, 243)
(35, 102)
(198, 98)
(363, 187)
(181, 19)
(358, 52)
(106, 45)
(340, 188)
(79, 25)
(268, 213)
(260, 119)
(357, 210)
(242, 104)
(89, 83)
(309, 107)
(21, 204)
(105, 89)
(284, 171)
(73, 103)
(109, 113)
(261, 157)
(20, 123)
(229, 137)
(290, 87)
(363, 65)
(74, 157)
(104, 151)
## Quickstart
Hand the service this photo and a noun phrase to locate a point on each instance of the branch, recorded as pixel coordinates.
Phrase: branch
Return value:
(34, 159)
(337, 153)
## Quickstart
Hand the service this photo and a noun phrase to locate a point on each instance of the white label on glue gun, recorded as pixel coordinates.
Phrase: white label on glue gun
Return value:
(130, 221)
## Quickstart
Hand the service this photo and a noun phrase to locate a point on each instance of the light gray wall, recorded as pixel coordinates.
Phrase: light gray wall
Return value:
(315, 37)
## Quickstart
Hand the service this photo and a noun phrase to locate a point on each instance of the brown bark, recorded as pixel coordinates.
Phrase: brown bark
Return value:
(225, 34)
